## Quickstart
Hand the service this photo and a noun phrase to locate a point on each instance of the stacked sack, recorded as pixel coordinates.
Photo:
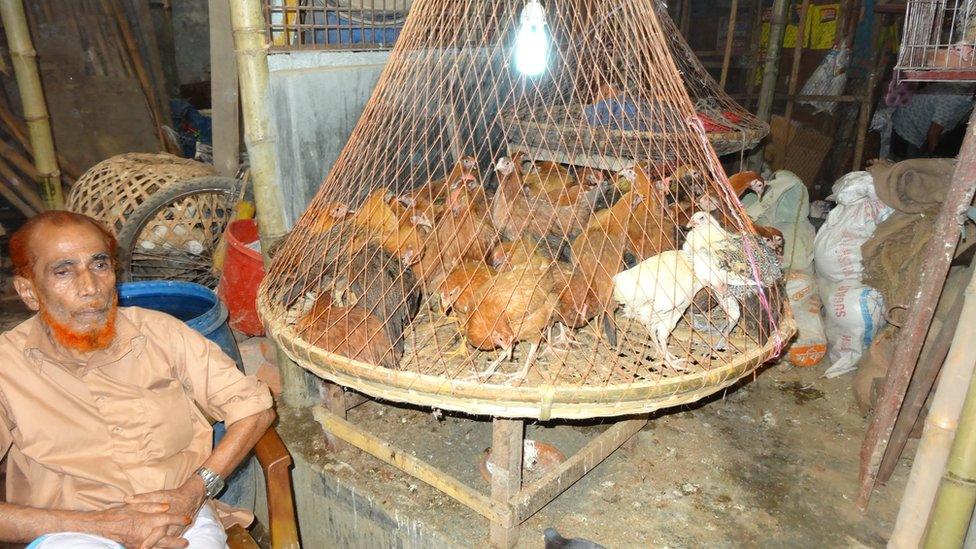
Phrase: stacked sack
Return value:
(785, 205)
(853, 312)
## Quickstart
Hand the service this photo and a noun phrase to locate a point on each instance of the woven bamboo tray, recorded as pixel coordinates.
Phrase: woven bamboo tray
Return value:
(565, 387)
(542, 134)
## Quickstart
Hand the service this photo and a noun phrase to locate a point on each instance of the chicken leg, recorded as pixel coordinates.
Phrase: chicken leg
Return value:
(506, 354)
(730, 305)
(529, 360)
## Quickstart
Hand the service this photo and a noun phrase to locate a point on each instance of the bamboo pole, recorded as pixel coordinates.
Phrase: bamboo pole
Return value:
(729, 35)
(956, 497)
(754, 33)
(24, 59)
(777, 26)
(940, 426)
(863, 120)
(247, 20)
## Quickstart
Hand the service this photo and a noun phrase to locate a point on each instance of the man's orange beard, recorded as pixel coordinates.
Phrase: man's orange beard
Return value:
(84, 342)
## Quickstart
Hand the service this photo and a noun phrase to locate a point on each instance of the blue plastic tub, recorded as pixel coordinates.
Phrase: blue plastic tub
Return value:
(196, 305)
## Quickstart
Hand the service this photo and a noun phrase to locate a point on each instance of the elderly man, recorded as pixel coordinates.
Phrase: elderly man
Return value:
(100, 406)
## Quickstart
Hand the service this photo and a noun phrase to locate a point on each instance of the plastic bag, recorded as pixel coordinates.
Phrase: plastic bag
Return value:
(810, 345)
(837, 246)
(853, 314)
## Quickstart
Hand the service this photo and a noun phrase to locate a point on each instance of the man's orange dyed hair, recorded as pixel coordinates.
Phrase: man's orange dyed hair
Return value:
(20, 243)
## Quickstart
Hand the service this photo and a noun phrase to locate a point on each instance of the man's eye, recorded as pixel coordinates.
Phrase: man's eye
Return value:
(61, 273)
(101, 265)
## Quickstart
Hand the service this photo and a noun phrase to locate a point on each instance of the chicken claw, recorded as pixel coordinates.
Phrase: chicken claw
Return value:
(565, 340)
(506, 354)
(529, 360)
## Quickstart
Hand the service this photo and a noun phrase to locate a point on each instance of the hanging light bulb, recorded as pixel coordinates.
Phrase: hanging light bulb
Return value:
(532, 40)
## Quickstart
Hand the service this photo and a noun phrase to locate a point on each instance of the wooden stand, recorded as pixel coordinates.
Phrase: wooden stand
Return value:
(510, 503)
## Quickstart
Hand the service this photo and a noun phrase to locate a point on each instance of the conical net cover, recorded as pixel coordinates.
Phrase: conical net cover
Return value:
(730, 128)
(485, 229)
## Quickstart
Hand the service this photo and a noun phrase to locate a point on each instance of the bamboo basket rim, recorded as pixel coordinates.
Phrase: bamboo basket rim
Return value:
(731, 141)
(536, 402)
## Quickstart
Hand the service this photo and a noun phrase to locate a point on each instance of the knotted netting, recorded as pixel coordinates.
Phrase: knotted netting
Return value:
(561, 244)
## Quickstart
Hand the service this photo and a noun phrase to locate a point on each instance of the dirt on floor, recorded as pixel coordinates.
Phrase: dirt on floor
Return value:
(772, 462)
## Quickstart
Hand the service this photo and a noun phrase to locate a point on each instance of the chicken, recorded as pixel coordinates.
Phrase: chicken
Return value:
(325, 218)
(511, 307)
(744, 181)
(650, 230)
(424, 198)
(735, 266)
(381, 221)
(515, 212)
(355, 272)
(549, 179)
(348, 331)
(597, 255)
(521, 251)
(462, 232)
(656, 293)
(460, 289)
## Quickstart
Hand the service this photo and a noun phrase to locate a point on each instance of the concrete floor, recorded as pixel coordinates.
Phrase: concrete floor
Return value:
(772, 463)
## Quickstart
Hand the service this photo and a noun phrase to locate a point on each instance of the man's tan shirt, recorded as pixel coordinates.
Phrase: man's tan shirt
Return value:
(83, 434)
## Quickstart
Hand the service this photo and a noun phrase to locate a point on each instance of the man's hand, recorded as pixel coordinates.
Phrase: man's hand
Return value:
(185, 500)
(143, 525)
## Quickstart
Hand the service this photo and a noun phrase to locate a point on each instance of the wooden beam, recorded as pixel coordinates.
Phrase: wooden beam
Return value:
(538, 494)
(507, 438)
(863, 120)
(730, 34)
(25, 191)
(223, 91)
(415, 467)
(948, 227)
(17, 129)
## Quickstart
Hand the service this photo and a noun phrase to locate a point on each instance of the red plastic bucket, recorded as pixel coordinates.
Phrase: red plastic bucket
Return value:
(243, 271)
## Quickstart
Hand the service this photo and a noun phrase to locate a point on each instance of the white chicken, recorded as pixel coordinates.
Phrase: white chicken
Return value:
(734, 266)
(656, 293)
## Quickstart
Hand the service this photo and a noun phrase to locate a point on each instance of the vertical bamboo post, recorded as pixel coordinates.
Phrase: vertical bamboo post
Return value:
(729, 35)
(754, 33)
(941, 424)
(953, 509)
(506, 475)
(24, 60)
(863, 120)
(247, 21)
(777, 25)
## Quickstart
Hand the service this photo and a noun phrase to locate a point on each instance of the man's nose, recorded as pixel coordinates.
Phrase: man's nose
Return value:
(87, 283)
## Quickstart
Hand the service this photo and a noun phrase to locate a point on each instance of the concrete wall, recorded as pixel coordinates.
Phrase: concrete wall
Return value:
(191, 40)
(316, 98)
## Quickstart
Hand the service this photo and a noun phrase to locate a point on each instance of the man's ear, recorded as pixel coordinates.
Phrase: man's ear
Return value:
(25, 289)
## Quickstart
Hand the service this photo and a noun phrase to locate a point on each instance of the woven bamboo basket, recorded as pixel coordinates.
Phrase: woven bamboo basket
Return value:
(110, 190)
(606, 392)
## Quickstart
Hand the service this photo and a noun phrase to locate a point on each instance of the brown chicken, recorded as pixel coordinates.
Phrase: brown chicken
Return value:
(460, 289)
(516, 212)
(325, 218)
(513, 306)
(524, 250)
(347, 331)
(425, 198)
(379, 222)
(462, 232)
(650, 228)
(598, 255)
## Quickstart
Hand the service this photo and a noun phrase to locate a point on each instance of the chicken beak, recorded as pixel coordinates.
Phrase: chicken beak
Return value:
(421, 220)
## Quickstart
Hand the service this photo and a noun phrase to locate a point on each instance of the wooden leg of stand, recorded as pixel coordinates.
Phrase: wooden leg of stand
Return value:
(334, 399)
(506, 474)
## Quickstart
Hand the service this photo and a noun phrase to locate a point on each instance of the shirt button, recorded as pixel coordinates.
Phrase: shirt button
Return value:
(116, 429)
(99, 399)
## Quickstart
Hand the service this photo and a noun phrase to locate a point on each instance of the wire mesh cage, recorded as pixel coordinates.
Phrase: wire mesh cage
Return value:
(539, 231)
(939, 41)
(334, 24)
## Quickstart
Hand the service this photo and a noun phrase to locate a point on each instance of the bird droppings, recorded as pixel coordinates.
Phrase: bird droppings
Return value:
(802, 393)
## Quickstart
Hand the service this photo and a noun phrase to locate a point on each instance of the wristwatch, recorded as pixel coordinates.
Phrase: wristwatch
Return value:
(211, 481)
